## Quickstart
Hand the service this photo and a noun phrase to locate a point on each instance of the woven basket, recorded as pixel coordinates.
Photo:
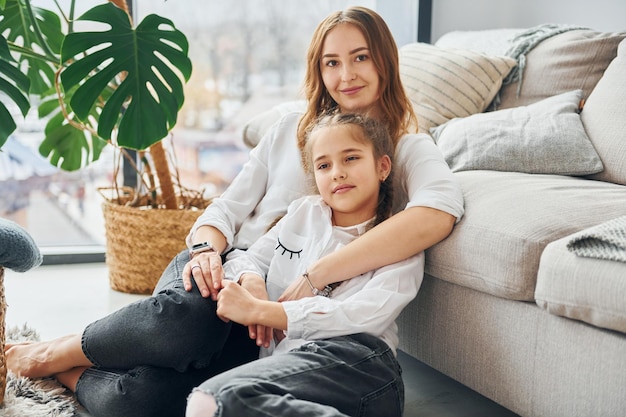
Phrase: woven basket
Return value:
(141, 242)
(3, 358)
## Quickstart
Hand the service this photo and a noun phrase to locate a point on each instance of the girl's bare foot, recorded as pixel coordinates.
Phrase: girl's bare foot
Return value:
(42, 359)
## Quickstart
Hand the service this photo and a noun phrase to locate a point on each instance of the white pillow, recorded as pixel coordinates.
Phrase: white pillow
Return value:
(546, 137)
(444, 83)
(604, 118)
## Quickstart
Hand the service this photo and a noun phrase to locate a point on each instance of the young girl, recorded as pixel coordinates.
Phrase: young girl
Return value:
(337, 349)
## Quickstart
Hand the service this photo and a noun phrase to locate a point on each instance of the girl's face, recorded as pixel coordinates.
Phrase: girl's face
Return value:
(347, 174)
(348, 71)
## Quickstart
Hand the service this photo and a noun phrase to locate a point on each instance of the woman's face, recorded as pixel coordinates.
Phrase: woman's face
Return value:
(348, 71)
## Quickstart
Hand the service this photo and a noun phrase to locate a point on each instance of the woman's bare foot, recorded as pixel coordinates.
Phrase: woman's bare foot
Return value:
(42, 359)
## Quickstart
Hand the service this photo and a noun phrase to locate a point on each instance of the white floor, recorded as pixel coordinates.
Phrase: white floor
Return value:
(61, 299)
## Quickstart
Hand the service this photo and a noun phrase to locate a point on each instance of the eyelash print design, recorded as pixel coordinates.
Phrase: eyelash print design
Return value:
(291, 252)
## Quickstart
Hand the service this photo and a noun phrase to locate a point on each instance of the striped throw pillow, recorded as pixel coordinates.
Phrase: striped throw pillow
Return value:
(445, 83)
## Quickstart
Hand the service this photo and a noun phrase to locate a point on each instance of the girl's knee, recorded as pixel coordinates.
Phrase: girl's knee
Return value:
(201, 404)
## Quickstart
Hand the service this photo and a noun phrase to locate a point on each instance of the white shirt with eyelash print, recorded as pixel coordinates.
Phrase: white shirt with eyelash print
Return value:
(369, 303)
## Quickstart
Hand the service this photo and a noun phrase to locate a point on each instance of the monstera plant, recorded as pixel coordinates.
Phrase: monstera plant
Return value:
(114, 84)
(117, 84)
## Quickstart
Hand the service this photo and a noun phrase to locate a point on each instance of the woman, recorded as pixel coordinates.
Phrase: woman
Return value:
(364, 79)
(331, 353)
(145, 358)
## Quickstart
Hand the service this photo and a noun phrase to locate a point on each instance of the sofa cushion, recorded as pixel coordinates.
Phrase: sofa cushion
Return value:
(546, 137)
(564, 62)
(581, 288)
(604, 118)
(509, 219)
(446, 83)
(256, 127)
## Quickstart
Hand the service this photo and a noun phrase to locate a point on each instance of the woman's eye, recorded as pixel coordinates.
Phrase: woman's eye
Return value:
(362, 58)
(331, 63)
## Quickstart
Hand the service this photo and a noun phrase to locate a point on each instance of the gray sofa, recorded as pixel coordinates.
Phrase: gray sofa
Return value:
(524, 302)
(506, 307)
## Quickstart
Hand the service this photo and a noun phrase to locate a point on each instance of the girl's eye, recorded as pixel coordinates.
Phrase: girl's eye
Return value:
(322, 166)
(352, 158)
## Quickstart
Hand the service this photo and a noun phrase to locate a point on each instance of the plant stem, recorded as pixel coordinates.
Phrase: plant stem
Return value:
(163, 174)
(42, 41)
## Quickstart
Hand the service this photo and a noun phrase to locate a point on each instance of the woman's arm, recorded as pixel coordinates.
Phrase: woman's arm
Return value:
(261, 192)
(208, 284)
(407, 233)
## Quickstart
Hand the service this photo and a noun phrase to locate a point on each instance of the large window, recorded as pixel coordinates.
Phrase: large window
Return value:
(248, 55)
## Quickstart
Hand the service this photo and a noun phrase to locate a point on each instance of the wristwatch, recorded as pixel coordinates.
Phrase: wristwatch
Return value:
(201, 247)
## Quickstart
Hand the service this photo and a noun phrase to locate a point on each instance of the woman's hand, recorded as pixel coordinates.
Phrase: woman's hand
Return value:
(206, 269)
(297, 290)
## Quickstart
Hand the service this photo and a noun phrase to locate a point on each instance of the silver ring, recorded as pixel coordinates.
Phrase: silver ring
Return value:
(196, 266)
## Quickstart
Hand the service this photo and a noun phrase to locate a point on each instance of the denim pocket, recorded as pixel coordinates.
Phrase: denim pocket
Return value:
(388, 401)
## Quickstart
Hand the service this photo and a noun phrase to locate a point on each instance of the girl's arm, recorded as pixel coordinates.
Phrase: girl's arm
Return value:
(236, 304)
(371, 305)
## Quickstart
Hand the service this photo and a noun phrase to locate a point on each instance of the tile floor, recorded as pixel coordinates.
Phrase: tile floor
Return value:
(62, 299)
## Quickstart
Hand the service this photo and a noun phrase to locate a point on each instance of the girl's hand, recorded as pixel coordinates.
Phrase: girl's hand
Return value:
(206, 269)
(297, 290)
(235, 303)
(255, 285)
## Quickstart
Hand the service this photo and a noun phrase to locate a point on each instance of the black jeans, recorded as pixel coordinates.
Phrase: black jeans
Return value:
(149, 355)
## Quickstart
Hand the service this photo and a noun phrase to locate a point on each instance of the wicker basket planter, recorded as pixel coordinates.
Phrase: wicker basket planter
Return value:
(140, 243)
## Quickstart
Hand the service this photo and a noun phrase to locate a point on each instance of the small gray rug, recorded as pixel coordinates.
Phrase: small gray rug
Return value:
(604, 241)
(37, 397)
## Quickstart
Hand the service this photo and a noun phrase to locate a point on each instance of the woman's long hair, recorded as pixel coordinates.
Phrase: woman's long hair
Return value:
(396, 109)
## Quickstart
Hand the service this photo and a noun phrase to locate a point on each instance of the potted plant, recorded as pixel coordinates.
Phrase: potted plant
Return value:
(120, 86)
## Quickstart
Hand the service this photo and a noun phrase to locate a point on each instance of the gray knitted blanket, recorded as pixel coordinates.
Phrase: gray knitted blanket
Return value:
(604, 241)
(523, 42)
(18, 250)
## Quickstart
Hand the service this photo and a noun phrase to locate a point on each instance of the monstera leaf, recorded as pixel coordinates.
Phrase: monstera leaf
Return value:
(67, 145)
(12, 83)
(39, 50)
(38, 56)
(144, 61)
